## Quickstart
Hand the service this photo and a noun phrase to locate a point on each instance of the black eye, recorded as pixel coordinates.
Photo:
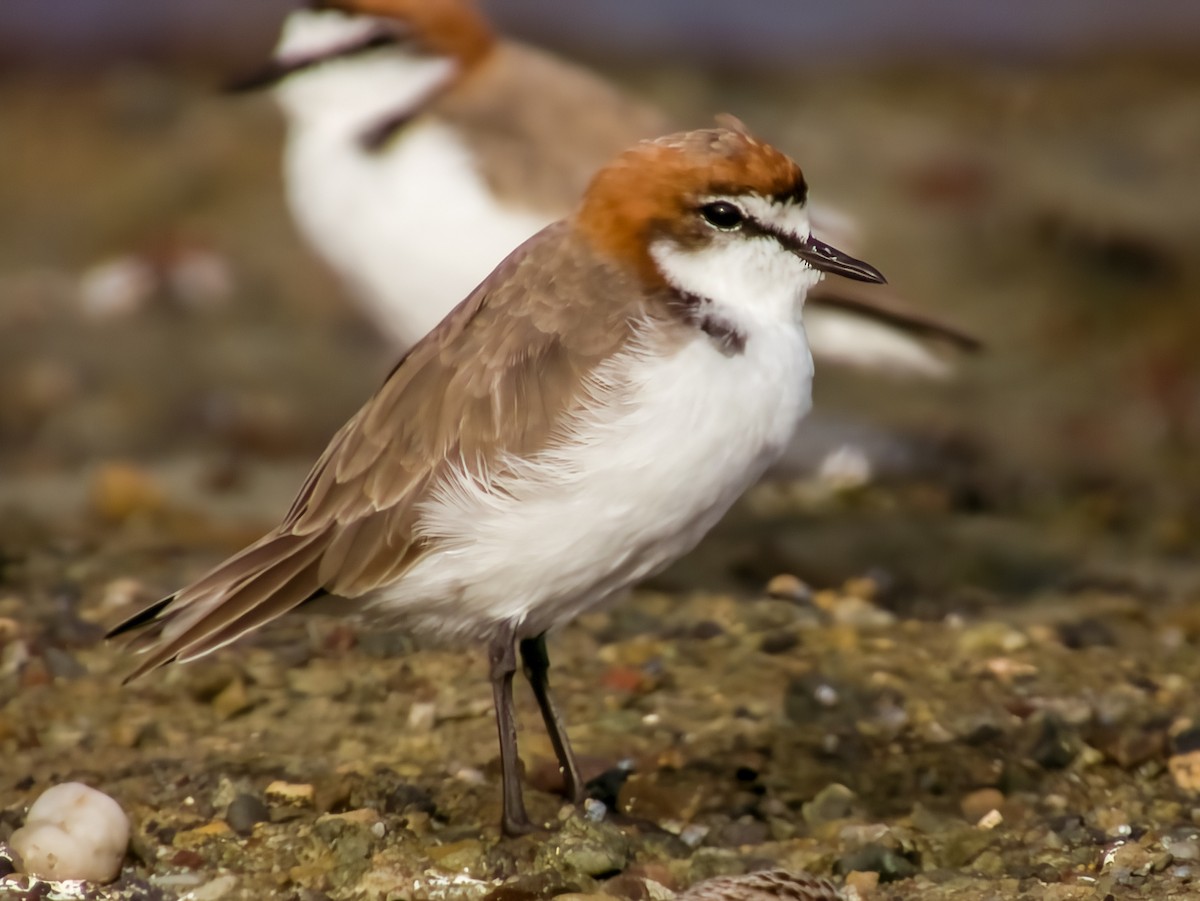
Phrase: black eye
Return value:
(722, 214)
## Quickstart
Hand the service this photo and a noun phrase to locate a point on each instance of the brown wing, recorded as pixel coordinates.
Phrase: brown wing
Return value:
(539, 127)
(493, 379)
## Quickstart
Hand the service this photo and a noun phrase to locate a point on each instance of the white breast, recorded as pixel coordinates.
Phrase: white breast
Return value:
(646, 475)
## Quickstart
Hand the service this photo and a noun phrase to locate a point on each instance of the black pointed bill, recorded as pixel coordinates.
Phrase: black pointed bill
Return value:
(821, 256)
(276, 70)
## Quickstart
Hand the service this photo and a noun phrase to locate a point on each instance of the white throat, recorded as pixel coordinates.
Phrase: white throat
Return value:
(750, 281)
(355, 92)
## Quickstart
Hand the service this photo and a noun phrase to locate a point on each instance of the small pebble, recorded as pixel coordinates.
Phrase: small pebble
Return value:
(786, 587)
(979, 803)
(290, 794)
(778, 642)
(422, 716)
(990, 820)
(244, 812)
(73, 832)
(1186, 741)
(1055, 744)
(705, 630)
(408, 798)
(1086, 633)
(1185, 770)
(833, 802)
(116, 287)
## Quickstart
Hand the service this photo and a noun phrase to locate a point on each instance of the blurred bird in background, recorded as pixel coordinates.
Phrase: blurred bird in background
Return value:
(422, 148)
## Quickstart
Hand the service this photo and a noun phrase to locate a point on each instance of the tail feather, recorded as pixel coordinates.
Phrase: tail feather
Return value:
(141, 618)
(263, 582)
(302, 587)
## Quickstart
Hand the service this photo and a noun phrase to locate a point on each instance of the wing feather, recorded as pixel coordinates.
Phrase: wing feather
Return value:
(493, 381)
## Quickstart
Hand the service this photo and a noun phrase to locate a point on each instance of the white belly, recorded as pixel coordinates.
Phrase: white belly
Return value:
(641, 485)
(411, 230)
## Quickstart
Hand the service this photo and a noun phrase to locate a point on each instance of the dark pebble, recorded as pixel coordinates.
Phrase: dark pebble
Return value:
(983, 735)
(778, 642)
(606, 787)
(876, 859)
(1073, 829)
(1086, 633)
(1055, 746)
(244, 811)
(1186, 741)
(706, 629)
(406, 796)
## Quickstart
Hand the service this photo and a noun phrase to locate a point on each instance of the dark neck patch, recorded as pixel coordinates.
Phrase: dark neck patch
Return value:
(700, 312)
(376, 136)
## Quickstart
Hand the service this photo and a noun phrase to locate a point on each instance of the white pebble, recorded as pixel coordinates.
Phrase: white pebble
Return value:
(422, 716)
(116, 287)
(73, 832)
(846, 468)
(594, 811)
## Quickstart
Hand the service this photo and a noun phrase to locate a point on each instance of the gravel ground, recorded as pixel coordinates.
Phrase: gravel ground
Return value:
(969, 678)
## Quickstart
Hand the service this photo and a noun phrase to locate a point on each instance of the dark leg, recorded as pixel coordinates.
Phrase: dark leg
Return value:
(537, 665)
(503, 660)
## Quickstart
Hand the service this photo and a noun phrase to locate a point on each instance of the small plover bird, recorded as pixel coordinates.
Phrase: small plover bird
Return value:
(573, 426)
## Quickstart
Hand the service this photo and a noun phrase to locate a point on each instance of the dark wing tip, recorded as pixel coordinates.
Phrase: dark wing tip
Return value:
(869, 304)
(139, 619)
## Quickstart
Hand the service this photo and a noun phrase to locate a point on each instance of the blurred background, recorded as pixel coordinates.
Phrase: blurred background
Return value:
(173, 357)
(1005, 604)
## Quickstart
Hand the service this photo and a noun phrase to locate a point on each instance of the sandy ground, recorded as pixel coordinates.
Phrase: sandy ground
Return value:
(982, 686)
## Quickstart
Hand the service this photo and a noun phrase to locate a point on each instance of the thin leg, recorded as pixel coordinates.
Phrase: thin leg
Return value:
(514, 820)
(537, 667)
